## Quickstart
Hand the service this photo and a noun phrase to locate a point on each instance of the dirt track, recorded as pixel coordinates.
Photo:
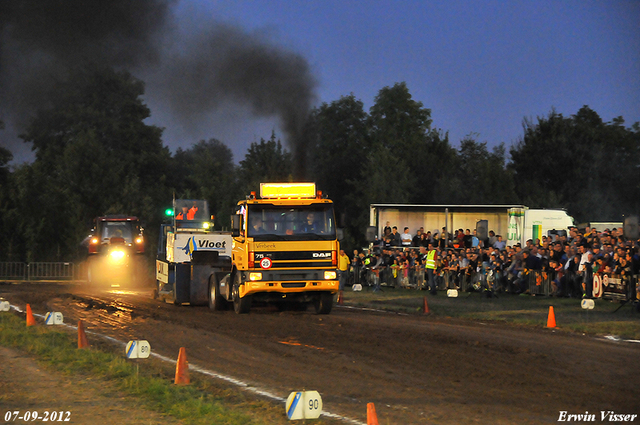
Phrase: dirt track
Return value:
(416, 369)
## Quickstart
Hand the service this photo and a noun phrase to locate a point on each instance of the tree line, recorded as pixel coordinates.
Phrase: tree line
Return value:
(95, 155)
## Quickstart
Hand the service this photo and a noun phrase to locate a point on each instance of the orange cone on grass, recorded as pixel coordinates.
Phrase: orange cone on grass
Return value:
(372, 418)
(425, 308)
(182, 368)
(82, 336)
(551, 320)
(31, 321)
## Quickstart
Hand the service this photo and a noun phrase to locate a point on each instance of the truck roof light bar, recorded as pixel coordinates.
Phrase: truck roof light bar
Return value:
(287, 190)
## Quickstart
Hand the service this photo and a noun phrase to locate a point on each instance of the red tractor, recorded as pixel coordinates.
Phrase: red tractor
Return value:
(116, 248)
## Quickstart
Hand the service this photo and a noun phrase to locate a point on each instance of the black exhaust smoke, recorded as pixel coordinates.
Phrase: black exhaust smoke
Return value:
(227, 64)
(42, 40)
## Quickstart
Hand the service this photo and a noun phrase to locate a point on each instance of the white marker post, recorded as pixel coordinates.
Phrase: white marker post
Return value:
(137, 350)
(54, 318)
(303, 405)
(588, 304)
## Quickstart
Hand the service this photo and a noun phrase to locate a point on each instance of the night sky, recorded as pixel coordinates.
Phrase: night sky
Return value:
(480, 66)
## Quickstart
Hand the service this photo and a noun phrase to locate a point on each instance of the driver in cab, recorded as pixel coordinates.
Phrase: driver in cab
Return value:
(187, 213)
(256, 226)
(309, 225)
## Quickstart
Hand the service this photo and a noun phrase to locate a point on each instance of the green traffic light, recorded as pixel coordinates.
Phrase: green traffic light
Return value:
(168, 212)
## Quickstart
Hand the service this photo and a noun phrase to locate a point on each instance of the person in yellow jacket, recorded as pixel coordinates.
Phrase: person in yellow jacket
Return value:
(431, 260)
(343, 269)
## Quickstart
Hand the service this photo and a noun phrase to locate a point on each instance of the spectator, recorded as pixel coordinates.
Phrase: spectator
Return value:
(387, 230)
(444, 239)
(586, 269)
(467, 238)
(492, 238)
(532, 261)
(343, 269)
(356, 266)
(395, 237)
(406, 237)
(417, 238)
(426, 239)
(430, 266)
(475, 242)
(499, 243)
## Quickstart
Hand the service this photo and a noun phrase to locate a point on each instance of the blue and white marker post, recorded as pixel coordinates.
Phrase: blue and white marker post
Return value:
(303, 405)
(137, 350)
(54, 318)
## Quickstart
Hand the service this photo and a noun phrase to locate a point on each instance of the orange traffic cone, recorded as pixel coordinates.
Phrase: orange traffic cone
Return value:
(425, 308)
(182, 368)
(31, 321)
(340, 299)
(82, 337)
(372, 418)
(551, 320)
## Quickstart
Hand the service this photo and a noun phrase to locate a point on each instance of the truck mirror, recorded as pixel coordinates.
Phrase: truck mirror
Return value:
(235, 225)
(370, 233)
(340, 234)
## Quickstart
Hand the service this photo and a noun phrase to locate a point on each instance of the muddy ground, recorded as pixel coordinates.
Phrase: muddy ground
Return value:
(417, 369)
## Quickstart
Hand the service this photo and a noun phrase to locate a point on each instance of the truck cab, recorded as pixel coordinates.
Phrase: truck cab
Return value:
(285, 248)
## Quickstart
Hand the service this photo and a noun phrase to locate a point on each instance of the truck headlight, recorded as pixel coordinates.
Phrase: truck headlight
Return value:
(255, 276)
(330, 275)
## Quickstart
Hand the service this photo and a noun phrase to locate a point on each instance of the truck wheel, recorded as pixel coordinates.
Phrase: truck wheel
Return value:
(240, 305)
(216, 302)
(324, 303)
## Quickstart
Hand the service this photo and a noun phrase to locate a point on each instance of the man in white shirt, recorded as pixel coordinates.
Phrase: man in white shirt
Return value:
(499, 243)
(406, 237)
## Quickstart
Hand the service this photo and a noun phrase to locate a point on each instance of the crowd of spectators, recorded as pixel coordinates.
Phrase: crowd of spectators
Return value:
(568, 262)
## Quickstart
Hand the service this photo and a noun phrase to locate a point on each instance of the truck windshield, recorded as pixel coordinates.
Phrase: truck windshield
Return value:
(190, 213)
(117, 229)
(304, 222)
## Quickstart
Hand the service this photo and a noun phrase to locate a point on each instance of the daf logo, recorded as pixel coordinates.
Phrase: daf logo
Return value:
(321, 255)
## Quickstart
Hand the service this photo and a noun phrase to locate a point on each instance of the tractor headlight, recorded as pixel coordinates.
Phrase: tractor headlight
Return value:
(255, 276)
(117, 256)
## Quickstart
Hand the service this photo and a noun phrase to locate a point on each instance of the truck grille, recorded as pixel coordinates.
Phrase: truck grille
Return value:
(293, 284)
(296, 259)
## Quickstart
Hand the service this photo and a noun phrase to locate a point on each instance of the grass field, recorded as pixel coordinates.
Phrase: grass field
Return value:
(203, 402)
(522, 310)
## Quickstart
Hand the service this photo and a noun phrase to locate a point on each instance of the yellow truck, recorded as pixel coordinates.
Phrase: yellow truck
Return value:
(284, 250)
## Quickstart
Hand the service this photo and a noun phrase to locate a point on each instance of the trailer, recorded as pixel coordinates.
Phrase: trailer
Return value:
(516, 223)
(191, 257)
